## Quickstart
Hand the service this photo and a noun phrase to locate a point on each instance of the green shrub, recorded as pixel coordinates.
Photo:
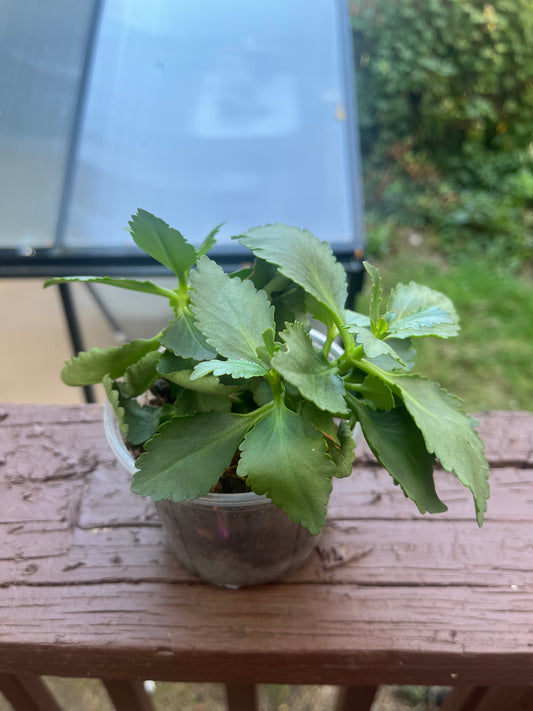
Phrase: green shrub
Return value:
(445, 92)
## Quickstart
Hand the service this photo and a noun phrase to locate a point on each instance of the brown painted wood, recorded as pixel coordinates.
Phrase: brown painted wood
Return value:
(128, 695)
(89, 588)
(27, 692)
(241, 697)
(356, 698)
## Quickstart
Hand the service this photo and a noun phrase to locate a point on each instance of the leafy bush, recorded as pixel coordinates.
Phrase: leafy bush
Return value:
(445, 95)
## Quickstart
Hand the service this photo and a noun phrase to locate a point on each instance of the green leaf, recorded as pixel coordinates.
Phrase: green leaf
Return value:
(353, 318)
(191, 401)
(163, 243)
(142, 420)
(404, 358)
(90, 367)
(208, 384)
(321, 420)
(343, 456)
(147, 287)
(296, 471)
(209, 242)
(374, 347)
(113, 396)
(416, 310)
(142, 375)
(184, 339)
(377, 394)
(309, 370)
(235, 368)
(303, 258)
(448, 432)
(375, 296)
(170, 363)
(398, 445)
(189, 455)
(269, 340)
(230, 313)
(179, 370)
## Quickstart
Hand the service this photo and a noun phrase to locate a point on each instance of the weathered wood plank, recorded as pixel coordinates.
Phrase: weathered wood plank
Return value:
(368, 552)
(318, 634)
(88, 587)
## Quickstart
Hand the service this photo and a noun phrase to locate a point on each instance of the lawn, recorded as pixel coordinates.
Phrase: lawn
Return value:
(490, 363)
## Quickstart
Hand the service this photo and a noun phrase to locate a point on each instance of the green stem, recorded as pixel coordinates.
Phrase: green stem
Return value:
(180, 297)
(352, 360)
(276, 385)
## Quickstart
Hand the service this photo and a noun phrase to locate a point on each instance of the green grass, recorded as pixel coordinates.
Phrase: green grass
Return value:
(489, 365)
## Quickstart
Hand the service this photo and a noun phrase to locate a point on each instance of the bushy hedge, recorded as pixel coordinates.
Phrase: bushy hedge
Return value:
(445, 93)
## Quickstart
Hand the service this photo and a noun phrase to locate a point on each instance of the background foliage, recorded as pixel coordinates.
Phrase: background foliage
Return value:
(445, 92)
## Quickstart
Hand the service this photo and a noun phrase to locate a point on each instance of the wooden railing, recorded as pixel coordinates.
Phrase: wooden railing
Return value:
(88, 587)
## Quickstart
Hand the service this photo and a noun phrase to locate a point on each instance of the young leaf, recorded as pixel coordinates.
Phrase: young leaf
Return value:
(208, 384)
(146, 287)
(184, 339)
(374, 347)
(416, 310)
(296, 471)
(179, 370)
(399, 447)
(376, 294)
(142, 374)
(343, 456)
(113, 396)
(448, 432)
(353, 318)
(301, 257)
(209, 242)
(189, 455)
(403, 358)
(231, 313)
(163, 243)
(308, 369)
(90, 367)
(235, 368)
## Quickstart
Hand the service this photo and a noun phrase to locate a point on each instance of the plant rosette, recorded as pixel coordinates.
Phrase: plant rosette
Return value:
(238, 397)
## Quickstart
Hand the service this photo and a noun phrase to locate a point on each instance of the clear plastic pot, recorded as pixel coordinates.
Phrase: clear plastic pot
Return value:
(232, 540)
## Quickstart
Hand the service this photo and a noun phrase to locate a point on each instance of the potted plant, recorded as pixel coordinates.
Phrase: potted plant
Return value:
(238, 406)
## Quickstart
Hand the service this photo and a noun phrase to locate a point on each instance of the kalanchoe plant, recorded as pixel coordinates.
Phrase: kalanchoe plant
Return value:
(238, 384)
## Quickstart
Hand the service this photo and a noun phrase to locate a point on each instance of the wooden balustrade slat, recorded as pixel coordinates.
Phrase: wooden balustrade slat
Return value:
(241, 697)
(27, 692)
(128, 695)
(356, 698)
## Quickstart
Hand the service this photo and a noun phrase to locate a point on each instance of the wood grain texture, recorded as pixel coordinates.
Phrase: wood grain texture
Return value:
(89, 588)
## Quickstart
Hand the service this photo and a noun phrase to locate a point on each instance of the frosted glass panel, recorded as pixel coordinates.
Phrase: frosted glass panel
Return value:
(206, 112)
(42, 49)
